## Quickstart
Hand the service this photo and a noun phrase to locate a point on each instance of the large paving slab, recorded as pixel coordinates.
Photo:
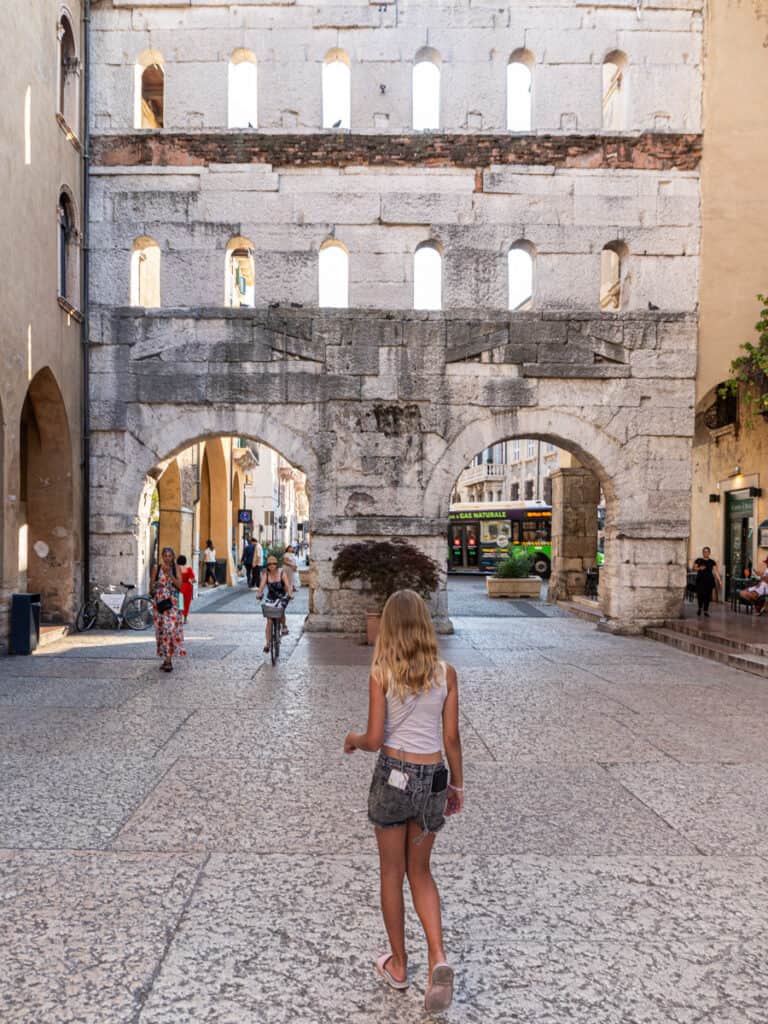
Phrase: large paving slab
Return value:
(195, 847)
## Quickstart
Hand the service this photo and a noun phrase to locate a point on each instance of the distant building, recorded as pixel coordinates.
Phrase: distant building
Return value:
(517, 470)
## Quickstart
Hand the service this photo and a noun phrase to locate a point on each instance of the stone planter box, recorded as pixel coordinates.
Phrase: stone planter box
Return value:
(528, 586)
(372, 621)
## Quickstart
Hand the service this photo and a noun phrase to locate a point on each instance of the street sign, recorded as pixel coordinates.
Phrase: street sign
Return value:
(245, 515)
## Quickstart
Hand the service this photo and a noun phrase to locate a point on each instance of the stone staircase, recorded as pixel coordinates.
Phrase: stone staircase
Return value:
(749, 656)
(583, 608)
(51, 632)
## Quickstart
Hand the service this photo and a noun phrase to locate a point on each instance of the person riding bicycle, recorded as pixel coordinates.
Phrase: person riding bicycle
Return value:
(278, 588)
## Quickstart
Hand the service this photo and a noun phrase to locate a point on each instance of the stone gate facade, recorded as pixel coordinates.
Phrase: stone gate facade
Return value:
(383, 412)
(382, 406)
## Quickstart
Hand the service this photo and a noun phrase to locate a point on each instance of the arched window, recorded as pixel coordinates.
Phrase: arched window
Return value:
(615, 92)
(428, 277)
(337, 75)
(426, 89)
(145, 273)
(243, 90)
(69, 70)
(149, 91)
(520, 275)
(333, 275)
(612, 271)
(241, 273)
(519, 81)
(68, 250)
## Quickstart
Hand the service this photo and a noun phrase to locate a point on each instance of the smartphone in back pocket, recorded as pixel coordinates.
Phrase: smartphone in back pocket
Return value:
(440, 780)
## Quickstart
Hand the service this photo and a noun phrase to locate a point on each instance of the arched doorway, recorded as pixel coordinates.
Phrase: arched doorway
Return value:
(198, 491)
(46, 527)
(593, 467)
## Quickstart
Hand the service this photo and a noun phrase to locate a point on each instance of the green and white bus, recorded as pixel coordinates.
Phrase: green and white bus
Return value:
(480, 534)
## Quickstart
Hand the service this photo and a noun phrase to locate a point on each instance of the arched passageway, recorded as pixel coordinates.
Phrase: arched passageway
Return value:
(527, 497)
(225, 488)
(46, 525)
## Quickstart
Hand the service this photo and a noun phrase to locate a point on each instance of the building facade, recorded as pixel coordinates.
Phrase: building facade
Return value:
(730, 448)
(516, 470)
(507, 200)
(42, 221)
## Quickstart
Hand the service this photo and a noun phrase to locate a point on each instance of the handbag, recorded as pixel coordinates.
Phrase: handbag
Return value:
(165, 605)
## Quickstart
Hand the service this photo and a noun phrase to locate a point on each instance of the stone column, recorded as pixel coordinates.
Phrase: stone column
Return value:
(575, 497)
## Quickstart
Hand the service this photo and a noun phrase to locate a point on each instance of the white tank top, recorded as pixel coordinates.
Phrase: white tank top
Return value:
(414, 724)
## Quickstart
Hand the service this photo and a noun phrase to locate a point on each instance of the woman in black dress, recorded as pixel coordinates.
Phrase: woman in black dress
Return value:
(706, 576)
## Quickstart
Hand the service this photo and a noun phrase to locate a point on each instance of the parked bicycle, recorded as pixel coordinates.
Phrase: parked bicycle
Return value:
(133, 611)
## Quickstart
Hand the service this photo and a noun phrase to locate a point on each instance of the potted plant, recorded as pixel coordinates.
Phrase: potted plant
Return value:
(749, 372)
(514, 577)
(384, 566)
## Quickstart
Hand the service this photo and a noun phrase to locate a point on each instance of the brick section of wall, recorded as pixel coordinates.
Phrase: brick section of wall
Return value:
(649, 151)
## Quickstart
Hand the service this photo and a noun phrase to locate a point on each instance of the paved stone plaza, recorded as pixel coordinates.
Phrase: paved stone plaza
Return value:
(195, 847)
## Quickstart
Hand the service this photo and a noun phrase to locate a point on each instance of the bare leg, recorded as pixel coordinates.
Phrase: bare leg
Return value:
(392, 866)
(426, 898)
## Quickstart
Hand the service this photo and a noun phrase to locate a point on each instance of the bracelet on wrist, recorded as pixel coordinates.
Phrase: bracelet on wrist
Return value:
(456, 789)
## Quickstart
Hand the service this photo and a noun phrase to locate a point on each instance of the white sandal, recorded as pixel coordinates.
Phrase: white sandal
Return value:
(381, 970)
(439, 993)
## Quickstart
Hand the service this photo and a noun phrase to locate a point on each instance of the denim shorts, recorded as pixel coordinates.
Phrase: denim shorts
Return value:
(389, 806)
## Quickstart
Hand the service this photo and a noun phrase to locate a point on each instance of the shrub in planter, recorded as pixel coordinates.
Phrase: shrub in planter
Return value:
(385, 566)
(516, 566)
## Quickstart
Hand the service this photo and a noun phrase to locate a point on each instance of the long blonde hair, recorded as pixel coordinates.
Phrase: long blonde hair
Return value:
(406, 658)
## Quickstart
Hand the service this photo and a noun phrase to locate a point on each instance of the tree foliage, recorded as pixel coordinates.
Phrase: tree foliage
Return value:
(749, 372)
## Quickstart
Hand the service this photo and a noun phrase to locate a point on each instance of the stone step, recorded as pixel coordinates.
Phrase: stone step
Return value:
(583, 608)
(714, 650)
(690, 628)
(49, 634)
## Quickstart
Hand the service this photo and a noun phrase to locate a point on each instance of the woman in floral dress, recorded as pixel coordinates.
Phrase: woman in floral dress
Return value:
(169, 629)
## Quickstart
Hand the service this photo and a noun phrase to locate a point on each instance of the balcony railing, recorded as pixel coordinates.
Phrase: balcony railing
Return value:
(478, 474)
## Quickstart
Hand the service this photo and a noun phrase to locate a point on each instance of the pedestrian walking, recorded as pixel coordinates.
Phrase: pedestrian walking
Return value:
(291, 568)
(165, 584)
(258, 562)
(187, 577)
(209, 561)
(246, 561)
(411, 695)
(706, 576)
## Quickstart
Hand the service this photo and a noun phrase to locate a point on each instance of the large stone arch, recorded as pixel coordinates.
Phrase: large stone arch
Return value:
(128, 472)
(594, 448)
(46, 515)
(576, 490)
(644, 557)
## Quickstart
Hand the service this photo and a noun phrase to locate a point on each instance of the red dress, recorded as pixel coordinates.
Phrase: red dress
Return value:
(187, 579)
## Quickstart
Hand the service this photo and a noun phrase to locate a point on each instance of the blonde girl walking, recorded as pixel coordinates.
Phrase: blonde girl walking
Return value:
(413, 698)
